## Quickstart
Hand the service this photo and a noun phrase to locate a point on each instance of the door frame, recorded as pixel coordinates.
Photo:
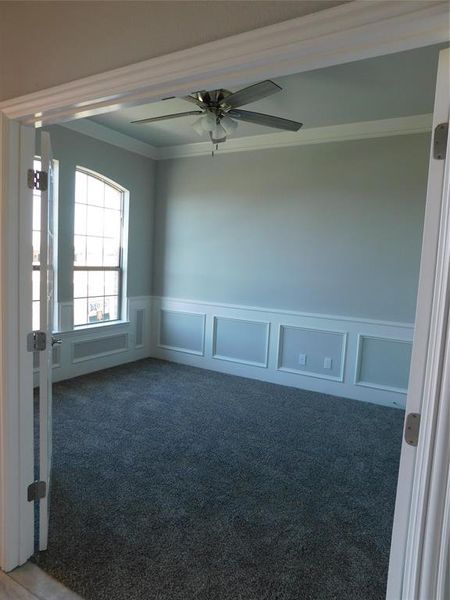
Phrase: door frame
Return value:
(346, 33)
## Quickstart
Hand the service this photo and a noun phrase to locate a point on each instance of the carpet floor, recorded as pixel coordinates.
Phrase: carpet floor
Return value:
(176, 483)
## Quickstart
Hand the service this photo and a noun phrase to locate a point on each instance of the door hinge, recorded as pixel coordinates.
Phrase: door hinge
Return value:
(440, 141)
(412, 427)
(36, 341)
(36, 490)
(38, 180)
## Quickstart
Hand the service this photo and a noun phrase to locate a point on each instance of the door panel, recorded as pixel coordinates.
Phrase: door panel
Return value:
(46, 324)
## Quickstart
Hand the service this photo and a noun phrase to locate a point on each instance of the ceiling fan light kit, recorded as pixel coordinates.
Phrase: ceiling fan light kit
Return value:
(219, 115)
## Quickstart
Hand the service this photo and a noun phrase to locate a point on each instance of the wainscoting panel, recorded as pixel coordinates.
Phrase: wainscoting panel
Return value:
(355, 358)
(312, 352)
(97, 347)
(140, 324)
(100, 346)
(182, 331)
(342, 356)
(383, 363)
(241, 341)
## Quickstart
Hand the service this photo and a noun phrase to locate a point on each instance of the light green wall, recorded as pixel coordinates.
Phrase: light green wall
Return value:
(329, 228)
(134, 172)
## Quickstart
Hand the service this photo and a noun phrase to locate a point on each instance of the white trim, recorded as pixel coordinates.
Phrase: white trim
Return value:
(26, 410)
(96, 327)
(113, 137)
(351, 31)
(67, 367)
(284, 312)
(241, 361)
(316, 135)
(354, 30)
(179, 348)
(16, 398)
(413, 493)
(348, 328)
(377, 386)
(124, 348)
(65, 316)
(142, 310)
(339, 378)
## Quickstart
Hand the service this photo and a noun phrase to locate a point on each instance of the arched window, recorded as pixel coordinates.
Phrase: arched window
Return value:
(99, 249)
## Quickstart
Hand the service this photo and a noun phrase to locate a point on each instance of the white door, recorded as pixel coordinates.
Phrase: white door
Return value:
(423, 477)
(46, 326)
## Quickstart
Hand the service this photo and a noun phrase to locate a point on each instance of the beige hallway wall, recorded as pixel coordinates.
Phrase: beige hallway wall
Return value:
(47, 43)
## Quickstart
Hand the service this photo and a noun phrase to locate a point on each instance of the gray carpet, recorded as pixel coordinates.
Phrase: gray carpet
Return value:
(174, 483)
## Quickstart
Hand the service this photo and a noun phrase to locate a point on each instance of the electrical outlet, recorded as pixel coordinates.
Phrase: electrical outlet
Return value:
(302, 359)
(327, 362)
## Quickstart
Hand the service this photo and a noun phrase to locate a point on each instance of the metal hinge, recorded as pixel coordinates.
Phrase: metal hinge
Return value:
(38, 180)
(36, 490)
(440, 141)
(36, 341)
(412, 427)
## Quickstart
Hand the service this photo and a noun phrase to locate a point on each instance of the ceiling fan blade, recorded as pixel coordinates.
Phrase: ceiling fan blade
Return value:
(165, 117)
(265, 120)
(252, 93)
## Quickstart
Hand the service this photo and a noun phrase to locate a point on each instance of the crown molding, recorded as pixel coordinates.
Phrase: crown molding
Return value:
(315, 135)
(110, 136)
(351, 31)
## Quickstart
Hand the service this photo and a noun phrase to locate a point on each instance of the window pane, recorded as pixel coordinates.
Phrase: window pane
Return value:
(111, 253)
(80, 284)
(111, 283)
(80, 187)
(36, 247)
(36, 316)
(80, 311)
(96, 310)
(95, 219)
(37, 212)
(80, 219)
(111, 307)
(112, 224)
(94, 252)
(97, 242)
(80, 251)
(96, 191)
(36, 285)
(113, 198)
(96, 283)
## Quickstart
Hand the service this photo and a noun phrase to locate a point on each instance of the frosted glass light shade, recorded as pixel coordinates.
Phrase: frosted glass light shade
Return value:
(198, 126)
(209, 120)
(228, 124)
(218, 133)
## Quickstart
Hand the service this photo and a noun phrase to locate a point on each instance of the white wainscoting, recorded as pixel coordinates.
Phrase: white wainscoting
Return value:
(93, 348)
(354, 358)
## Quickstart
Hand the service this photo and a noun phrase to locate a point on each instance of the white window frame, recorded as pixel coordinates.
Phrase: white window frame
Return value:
(122, 315)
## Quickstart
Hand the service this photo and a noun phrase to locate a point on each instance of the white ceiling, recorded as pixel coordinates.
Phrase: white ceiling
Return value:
(389, 86)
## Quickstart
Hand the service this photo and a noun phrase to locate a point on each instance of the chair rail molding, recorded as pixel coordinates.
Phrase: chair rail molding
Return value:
(351, 31)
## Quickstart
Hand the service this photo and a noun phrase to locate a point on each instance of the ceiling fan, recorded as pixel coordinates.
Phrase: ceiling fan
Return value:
(220, 111)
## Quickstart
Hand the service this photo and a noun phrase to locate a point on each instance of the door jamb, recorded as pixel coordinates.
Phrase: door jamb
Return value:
(16, 366)
(349, 32)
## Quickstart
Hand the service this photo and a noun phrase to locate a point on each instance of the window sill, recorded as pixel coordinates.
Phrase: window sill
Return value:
(95, 327)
